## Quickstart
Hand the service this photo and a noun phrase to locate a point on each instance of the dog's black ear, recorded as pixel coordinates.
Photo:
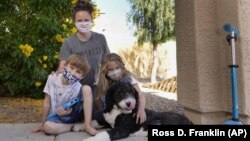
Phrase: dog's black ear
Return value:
(109, 99)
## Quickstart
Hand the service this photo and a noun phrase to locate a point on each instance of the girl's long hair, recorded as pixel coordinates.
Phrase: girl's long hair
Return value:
(104, 82)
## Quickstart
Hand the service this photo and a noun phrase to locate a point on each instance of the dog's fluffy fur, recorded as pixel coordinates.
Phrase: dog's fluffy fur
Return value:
(121, 107)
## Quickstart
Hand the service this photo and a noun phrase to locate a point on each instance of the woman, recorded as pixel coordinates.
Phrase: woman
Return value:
(93, 45)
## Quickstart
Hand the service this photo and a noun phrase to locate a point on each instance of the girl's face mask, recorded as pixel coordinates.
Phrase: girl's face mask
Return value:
(115, 74)
(83, 26)
(71, 79)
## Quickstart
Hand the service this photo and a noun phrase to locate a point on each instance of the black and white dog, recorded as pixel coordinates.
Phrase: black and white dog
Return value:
(121, 106)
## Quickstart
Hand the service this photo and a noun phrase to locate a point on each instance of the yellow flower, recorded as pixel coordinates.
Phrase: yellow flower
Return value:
(59, 38)
(45, 66)
(73, 30)
(56, 56)
(69, 20)
(73, 2)
(45, 57)
(38, 84)
(40, 60)
(96, 12)
(64, 26)
(26, 49)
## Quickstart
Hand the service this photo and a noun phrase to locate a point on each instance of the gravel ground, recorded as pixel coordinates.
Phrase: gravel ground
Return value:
(25, 110)
(158, 103)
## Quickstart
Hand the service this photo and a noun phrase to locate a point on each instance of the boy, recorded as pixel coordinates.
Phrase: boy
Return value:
(61, 88)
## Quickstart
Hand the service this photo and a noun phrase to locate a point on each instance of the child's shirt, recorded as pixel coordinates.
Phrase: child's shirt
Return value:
(133, 80)
(59, 93)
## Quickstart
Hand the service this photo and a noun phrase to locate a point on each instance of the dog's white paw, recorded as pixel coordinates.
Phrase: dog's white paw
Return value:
(102, 136)
(78, 127)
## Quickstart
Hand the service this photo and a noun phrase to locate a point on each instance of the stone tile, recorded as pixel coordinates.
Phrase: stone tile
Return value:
(79, 136)
(22, 132)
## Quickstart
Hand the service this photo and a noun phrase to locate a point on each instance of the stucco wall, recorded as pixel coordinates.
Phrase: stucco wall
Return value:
(203, 56)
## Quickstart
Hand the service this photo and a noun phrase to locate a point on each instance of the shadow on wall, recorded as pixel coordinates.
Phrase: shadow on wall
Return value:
(139, 60)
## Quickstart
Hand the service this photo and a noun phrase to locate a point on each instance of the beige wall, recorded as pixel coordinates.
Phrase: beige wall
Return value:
(203, 56)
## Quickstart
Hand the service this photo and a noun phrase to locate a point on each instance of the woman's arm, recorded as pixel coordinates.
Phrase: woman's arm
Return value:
(61, 66)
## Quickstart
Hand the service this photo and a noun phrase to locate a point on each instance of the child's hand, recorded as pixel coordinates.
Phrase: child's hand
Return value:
(141, 116)
(39, 129)
(61, 112)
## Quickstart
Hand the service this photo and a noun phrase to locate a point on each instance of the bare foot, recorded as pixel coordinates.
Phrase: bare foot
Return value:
(92, 131)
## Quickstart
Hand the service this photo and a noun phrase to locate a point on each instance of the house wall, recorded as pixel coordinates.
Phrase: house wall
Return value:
(203, 56)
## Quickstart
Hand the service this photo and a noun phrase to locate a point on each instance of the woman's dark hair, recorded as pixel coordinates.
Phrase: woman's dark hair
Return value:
(82, 5)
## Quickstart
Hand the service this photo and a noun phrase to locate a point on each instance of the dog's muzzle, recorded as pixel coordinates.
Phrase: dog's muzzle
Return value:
(127, 104)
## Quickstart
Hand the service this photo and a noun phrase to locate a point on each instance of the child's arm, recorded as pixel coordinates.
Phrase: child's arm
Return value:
(46, 107)
(141, 114)
(46, 110)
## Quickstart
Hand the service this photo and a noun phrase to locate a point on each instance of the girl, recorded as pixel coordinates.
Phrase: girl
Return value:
(113, 70)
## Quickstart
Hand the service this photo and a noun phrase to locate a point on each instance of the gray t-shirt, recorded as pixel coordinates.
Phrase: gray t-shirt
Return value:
(94, 49)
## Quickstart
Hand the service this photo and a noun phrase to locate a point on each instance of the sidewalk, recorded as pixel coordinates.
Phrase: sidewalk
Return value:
(21, 132)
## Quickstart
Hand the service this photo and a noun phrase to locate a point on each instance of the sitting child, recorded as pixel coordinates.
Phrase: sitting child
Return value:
(61, 88)
(113, 70)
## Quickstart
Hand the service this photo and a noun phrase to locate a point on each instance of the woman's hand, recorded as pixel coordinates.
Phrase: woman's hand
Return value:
(61, 112)
(60, 68)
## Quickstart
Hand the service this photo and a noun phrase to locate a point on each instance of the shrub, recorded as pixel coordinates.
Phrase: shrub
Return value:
(32, 32)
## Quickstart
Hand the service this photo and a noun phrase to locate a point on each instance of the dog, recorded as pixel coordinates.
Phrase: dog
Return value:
(119, 115)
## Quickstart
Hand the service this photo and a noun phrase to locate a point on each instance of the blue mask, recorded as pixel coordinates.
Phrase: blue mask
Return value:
(71, 79)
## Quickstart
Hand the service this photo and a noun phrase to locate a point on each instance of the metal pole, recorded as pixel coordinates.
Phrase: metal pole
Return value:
(235, 106)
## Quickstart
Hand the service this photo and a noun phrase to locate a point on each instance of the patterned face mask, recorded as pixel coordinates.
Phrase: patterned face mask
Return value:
(71, 79)
(115, 74)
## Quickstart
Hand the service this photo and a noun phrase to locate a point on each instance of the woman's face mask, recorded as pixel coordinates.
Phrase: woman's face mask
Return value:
(71, 79)
(115, 74)
(83, 26)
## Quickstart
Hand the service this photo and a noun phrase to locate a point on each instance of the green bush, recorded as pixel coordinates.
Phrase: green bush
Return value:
(31, 33)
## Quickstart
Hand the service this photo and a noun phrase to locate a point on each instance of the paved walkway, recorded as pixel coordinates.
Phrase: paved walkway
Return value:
(22, 132)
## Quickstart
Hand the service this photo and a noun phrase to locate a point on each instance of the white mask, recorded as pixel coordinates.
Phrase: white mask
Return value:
(115, 74)
(83, 27)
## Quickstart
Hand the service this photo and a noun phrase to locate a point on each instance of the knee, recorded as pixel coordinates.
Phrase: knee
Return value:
(48, 127)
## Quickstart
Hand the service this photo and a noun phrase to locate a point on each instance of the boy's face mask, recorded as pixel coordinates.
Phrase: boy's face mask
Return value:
(115, 74)
(71, 79)
(83, 27)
